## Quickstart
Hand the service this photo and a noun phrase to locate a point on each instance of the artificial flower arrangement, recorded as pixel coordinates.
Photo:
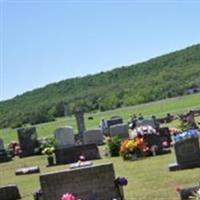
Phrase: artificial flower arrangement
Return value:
(49, 151)
(186, 135)
(68, 196)
(132, 149)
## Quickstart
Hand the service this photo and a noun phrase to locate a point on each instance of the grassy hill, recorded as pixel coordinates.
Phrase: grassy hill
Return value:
(159, 78)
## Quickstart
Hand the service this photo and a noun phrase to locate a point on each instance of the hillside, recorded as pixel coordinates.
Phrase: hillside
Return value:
(162, 77)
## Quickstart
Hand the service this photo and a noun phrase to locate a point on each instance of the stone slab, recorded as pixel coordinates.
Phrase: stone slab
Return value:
(72, 154)
(93, 136)
(9, 192)
(176, 166)
(27, 170)
(93, 182)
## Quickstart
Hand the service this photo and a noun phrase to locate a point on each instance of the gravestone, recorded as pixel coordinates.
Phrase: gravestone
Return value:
(187, 154)
(9, 192)
(120, 130)
(114, 121)
(28, 141)
(93, 136)
(79, 115)
(92, 182)
(1, 144)
(165, 135)
(146, 122)
(64, 137)
(72, 154)
(3, 154)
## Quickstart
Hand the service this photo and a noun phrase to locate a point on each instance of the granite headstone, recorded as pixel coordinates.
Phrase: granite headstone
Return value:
(28, 141)
(93, 136)
(92, 182)
(64, 137)
(187, 154)
(120, 130)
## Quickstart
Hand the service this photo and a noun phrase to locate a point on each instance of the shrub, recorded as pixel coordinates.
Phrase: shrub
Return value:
(114, 145)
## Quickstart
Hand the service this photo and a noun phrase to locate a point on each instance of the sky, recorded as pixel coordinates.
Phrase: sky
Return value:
(46, 41)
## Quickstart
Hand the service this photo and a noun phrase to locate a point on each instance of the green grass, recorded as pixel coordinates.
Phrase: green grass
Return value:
(159, 108)
(147, 179)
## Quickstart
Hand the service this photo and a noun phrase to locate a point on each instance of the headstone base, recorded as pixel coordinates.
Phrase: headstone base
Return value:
(176, 166)
(72, 154)
(4, 156)
(9, 192)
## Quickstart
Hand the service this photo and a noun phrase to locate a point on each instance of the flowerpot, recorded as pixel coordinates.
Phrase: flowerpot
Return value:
(50, 160)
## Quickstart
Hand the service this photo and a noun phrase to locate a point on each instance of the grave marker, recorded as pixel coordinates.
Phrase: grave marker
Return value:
(120, 130)
(64, 137)
(28, 141)
(187, 154)
(93, 136)
(92, 182)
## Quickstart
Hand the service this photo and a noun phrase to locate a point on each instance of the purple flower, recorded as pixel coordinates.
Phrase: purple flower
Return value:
(121, 181)
(37, 194)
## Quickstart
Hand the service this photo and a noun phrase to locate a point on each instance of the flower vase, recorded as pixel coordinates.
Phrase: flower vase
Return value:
(50, 160)
(121, 192)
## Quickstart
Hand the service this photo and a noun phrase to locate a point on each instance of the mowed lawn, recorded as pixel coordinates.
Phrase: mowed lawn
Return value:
(149, 178)
(160, 108)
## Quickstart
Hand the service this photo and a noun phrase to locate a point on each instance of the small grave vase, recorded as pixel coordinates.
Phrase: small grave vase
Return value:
(50, 160)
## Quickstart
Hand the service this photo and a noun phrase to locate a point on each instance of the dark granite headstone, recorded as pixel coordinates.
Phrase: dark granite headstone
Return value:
(72, 154)
(79, 115)
(1, 144)
(3, 153)
(4, 156)
(87, 183)
(9, 192)
(165, 135)
(114, 121)
(187, 154)
(28, 141)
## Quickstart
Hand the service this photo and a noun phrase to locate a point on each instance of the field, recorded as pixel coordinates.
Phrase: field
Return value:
(148, 178)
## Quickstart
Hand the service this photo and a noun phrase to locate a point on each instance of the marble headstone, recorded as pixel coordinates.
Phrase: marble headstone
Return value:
(64, 137)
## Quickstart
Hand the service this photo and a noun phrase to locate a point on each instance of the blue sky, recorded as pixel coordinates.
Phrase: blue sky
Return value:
(45, 41)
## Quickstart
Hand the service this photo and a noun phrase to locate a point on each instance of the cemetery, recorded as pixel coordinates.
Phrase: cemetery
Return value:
(96, 164)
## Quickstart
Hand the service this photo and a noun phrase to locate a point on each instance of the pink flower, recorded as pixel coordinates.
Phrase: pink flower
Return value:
(68, 196)
(178, 189)
(82, 158)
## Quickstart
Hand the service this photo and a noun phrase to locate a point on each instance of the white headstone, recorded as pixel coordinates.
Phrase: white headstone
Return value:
(120, 130)
(64, 137)
(1, 144)
(93, 136)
